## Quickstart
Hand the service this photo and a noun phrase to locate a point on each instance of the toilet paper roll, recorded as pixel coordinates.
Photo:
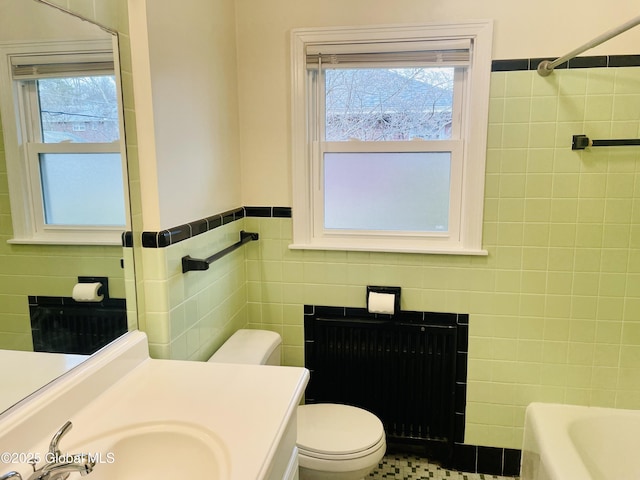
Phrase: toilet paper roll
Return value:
(87, 292)
(382, 303)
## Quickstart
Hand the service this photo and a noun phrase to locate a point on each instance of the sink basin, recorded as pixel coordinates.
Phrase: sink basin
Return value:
(152, 451)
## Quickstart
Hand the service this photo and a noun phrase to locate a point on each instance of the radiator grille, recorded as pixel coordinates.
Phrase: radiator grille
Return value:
(402, 372)
(75, 328)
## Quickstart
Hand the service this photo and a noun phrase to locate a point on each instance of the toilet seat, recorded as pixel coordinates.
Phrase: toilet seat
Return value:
(338, 432)
(359, 466)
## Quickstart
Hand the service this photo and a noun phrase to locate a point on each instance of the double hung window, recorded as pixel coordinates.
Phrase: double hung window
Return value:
(389, 132)
(63, 141)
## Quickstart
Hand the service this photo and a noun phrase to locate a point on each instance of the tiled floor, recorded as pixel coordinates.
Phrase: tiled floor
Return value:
(410, 467)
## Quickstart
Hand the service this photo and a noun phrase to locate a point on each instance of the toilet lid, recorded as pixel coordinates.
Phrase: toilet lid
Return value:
(337, 429)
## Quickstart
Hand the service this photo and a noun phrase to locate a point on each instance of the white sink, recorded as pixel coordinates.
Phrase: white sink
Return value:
(141, 418)
(155, 450)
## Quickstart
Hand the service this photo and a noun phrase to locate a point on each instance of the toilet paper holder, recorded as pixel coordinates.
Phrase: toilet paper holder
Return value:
(395, 291)
(104, 289)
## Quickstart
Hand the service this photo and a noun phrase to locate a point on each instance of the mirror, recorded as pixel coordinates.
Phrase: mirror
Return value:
(33, 272)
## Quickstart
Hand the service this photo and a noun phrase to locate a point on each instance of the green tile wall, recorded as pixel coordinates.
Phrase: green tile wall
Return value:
(555, 307)
(45, 270)
(188, 316)
(53, 270)
(50, 270)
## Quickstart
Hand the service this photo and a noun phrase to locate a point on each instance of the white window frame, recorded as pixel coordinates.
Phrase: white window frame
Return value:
(467, 192)
(25, 193)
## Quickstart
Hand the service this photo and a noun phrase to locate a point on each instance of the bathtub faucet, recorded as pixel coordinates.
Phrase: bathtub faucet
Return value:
(58, 465)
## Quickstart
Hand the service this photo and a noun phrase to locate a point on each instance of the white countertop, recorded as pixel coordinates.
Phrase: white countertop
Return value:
(246, 407)
(25, 372)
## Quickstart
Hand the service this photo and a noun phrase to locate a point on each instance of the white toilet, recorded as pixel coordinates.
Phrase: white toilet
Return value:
(334, 441)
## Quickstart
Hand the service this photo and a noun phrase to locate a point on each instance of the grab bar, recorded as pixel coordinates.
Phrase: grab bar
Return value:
(190, 264)
(580, 142)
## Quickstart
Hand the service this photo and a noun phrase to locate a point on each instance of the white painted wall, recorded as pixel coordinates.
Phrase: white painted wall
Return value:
(521, 30)
(214, 128)
(29, 21)
(185, 84)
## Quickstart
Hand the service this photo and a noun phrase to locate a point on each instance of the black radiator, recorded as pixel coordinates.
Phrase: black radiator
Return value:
(404, 371)
(61, 325)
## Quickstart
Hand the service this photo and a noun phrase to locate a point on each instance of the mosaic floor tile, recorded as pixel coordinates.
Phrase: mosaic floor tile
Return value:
(410, 467)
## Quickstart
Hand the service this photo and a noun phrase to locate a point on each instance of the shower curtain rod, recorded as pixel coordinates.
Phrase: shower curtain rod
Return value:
(545, 67)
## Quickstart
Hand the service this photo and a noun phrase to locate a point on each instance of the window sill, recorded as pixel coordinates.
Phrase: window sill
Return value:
(391, 249)
(64, 241)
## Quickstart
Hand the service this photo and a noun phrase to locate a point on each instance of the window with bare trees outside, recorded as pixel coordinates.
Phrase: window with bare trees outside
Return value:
(378, 104)
(73, 126)
(389, 137)
(67, 165)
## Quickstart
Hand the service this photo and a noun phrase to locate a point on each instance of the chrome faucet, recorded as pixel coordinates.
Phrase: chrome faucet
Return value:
(11, 474)
(59, 466)
(61, 470)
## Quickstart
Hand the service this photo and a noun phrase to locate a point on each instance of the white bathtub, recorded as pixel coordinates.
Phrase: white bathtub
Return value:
(566, 442)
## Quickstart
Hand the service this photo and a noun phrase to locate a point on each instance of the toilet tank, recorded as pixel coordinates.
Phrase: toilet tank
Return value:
(256, 347)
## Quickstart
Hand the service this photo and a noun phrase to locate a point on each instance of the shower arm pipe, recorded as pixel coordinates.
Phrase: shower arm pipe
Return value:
(545, 67)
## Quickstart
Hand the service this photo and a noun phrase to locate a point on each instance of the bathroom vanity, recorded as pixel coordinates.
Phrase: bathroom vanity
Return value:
(136, 417)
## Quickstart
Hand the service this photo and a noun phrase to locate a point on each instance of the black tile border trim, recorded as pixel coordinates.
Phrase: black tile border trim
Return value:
(127, 238)
(599, 61)
(191, 229)
(465, 458)
(177, 234)
(487, 460)
(407, 316)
